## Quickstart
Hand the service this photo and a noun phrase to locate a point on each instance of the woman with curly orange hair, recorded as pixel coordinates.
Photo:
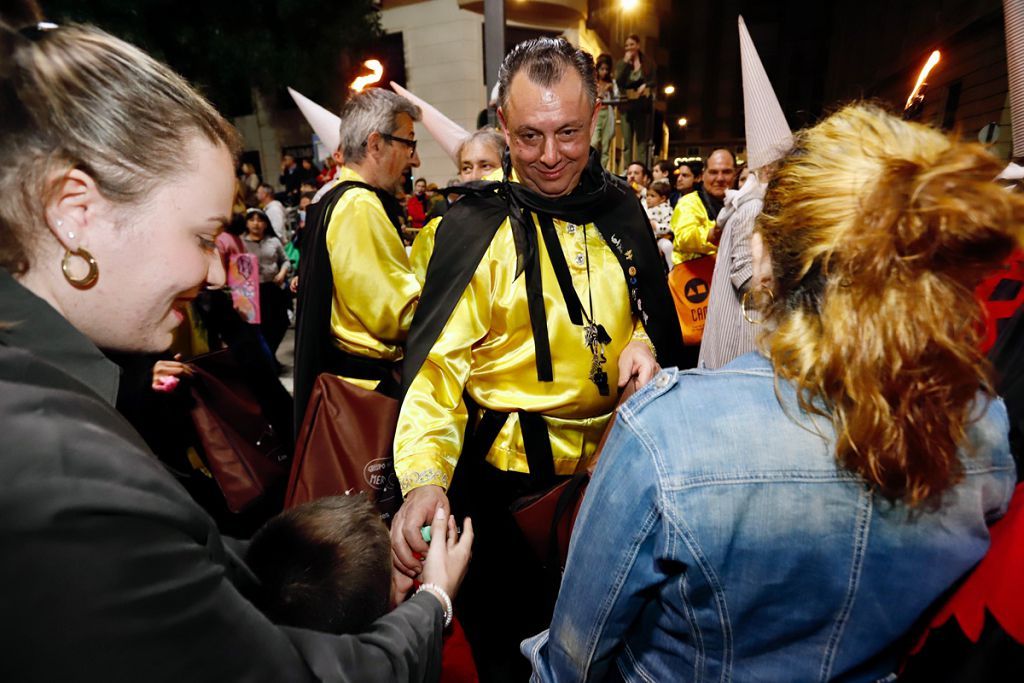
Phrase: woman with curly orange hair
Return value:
(793, 514)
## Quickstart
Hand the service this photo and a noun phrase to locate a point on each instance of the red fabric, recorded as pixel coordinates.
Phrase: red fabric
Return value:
(457, 665)
(1012, 269)
(995, 584)
(417, 211)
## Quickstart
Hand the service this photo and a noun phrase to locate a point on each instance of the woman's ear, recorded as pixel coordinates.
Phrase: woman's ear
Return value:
(761, 261)
(75, 208)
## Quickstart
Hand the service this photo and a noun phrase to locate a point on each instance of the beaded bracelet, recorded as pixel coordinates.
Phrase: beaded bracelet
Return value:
(440, 593)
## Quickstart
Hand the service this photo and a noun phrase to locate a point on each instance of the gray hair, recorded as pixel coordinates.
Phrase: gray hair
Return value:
(489, 136)
(372, 111)
(545, 61)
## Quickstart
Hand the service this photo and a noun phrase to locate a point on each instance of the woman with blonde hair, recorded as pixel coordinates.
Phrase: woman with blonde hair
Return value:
(792, 515)
(117, 177)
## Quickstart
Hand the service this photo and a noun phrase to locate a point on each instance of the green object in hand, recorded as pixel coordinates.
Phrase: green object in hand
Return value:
(425, 531)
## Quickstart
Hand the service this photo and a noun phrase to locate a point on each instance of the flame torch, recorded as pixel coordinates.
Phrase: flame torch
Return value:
(916, 98)
(376, 71)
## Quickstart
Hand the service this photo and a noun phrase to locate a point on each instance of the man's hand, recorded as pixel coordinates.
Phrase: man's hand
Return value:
(407, 544)
(638, 362)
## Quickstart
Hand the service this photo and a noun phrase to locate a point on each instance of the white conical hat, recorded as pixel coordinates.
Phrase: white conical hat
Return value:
(446, 132)
(325, 124)
(768, 134)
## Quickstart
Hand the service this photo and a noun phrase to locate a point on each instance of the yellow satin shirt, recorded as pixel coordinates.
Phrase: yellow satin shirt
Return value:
(375, 289)
(691, 226)
(422, 248)
(487, 348)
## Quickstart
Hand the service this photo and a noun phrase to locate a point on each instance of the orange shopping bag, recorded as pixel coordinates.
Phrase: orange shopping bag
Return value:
(690, 283)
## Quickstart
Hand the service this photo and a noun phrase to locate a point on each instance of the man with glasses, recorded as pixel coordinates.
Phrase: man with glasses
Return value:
(357, 292)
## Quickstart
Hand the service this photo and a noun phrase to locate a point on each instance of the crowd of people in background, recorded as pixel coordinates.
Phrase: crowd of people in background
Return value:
(751, 385)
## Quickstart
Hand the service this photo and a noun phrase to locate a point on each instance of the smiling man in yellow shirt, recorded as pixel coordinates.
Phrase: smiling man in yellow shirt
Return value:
(513, 378)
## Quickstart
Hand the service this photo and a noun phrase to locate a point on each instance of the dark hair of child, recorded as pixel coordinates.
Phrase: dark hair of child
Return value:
(324, 565)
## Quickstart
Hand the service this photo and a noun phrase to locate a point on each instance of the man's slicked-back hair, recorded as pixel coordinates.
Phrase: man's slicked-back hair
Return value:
(545, 61)
(373, 111)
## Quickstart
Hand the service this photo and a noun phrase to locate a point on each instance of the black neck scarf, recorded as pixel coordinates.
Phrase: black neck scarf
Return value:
(470, 225)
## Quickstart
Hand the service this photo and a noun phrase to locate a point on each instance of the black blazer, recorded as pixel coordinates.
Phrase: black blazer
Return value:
(110, 572)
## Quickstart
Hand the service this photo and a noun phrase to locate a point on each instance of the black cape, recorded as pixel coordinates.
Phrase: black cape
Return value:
(313, 348)
(470, 225)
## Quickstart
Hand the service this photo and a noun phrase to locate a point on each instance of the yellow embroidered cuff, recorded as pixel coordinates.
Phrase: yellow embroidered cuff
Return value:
(423, 469)
(641, 336)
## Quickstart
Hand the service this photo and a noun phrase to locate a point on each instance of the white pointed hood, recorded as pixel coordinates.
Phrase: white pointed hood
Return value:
(448, 134)
(325, 124)
(768, 135)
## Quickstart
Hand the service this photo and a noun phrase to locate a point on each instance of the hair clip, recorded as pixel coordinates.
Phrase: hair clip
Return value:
(35, 32)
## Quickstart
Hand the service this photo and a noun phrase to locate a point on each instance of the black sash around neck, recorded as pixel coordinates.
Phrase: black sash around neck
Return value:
(470, 225)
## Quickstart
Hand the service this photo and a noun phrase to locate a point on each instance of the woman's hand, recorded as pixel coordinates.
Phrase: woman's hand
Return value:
(448, 557)
(167, 374)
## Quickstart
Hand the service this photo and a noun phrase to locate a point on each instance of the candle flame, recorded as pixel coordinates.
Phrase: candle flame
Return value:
(929, 65)
(376, 69)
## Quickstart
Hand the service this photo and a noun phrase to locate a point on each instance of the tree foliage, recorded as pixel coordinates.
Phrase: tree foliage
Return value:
(229, 48)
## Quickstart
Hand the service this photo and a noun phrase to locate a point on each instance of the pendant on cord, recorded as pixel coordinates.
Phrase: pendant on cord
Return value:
(595, 337)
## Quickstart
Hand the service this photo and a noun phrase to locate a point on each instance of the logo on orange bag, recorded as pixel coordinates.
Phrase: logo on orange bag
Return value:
(696, 291)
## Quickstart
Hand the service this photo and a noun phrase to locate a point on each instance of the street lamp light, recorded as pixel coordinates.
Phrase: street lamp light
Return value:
(669, 90)
(682, 122)
(628, 5)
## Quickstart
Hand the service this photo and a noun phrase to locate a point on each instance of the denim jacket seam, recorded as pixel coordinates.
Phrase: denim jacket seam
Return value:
(718, 590)
(693, 549)
(770, 476)
(860, 541)
(622, 571)
(638, 668)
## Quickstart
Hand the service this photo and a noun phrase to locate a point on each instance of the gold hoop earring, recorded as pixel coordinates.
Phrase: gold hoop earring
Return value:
(90, 278)
(747, 294)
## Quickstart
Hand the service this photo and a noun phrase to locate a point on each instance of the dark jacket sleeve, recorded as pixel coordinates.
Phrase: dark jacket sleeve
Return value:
(111, 573)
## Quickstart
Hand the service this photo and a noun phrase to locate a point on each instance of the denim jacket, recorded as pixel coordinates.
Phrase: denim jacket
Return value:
(720, 541)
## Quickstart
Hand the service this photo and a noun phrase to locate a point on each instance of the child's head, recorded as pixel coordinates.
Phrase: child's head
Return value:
(324, 565)
(659, 191)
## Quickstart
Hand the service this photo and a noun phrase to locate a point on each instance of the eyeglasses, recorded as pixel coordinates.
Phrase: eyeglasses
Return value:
(411, 144)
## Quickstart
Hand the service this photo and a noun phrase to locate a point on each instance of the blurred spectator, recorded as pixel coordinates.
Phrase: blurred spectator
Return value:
(660, 212)
(694, 216)
(634, 76)
(604, 133)
(418, 205)
(638, 177)
(663, 168)
(686, 180)
(273, 208)
(261, 240)
(251, 181)
(326, 174)
(291, 176)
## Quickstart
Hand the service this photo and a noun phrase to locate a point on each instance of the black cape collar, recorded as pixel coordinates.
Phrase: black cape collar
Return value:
(469, 227)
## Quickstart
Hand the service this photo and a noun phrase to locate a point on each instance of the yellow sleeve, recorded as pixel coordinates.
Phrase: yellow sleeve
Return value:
(691, 231)
(423, 248)
(375, 289)
(432, 422)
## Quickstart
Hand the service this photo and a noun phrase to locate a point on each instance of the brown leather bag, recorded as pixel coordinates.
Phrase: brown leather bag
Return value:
(344, 446)
(547, 518)
(246, 457)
